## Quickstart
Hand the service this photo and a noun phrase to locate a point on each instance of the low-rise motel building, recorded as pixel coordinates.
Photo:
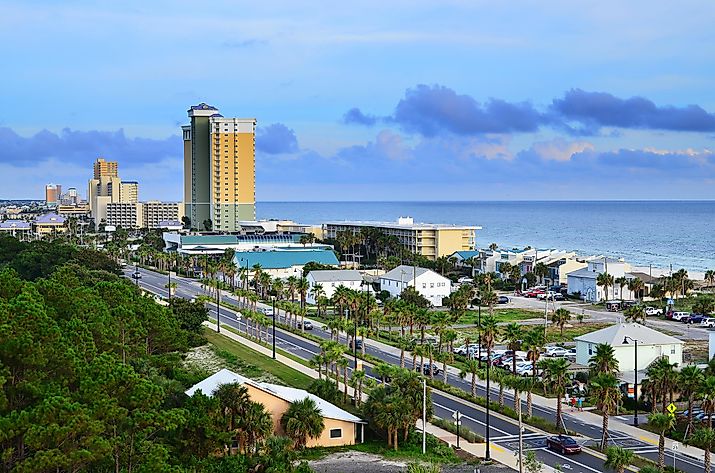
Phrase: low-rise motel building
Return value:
(430, 240)
(340, 427)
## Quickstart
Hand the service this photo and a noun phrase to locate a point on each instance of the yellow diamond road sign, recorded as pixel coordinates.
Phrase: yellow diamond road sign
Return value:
(671, 408)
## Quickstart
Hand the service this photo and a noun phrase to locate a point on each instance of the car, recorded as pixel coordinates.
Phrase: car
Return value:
(503, 300)
(627, 304)
(679, 316)
(696, 318)
(464, 280)
(136, 275)
(708, 322)
(653, 311)
(534, 292)
(556, 352)
(613, 306)
(358, 344)
(551, 295)
(563, 444)
(308, 325)
(267, 311)
(525, 370)
(461, 350)
(435, 369)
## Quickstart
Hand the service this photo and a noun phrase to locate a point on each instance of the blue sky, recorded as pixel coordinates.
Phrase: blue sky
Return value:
(401, 100)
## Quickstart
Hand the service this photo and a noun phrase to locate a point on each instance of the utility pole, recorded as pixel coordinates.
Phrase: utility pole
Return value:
(521, 438)
(218, 309)
(274, 327)
(457, 416)
(487, 455)
(424, 416)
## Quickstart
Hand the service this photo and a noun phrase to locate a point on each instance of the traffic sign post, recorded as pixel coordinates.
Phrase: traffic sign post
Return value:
(457, 416)
(672, 408)
(675, 446)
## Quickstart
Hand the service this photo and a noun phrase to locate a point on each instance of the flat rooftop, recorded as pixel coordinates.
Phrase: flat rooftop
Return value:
(406, 225)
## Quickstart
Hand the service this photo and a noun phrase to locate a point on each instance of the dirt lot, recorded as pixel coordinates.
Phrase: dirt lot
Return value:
(358, 462)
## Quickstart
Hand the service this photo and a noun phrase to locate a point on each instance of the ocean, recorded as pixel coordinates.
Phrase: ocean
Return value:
(657, 233)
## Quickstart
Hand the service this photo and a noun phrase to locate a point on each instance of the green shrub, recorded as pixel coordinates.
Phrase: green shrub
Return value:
(464, 432)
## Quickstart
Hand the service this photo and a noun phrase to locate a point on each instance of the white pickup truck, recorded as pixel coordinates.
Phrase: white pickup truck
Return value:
(653, 311)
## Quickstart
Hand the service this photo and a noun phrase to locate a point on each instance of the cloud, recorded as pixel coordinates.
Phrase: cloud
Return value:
(354, 115)
(276, 139)
(83, 147)
(559, 149)
(430, 110)
(246, 43)
(598, 109)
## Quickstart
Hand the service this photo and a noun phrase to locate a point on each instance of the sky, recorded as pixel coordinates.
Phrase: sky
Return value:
(370, 100)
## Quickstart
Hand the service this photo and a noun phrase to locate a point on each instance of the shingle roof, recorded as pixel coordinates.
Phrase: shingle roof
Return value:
(330, 275)
(615, 334)
(405, 273)
(209, 385)
(281, 259)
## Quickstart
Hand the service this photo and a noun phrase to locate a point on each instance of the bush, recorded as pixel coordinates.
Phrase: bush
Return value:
(326, 389)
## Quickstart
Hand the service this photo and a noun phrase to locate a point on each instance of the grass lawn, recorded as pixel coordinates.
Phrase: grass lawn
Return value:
(502, 315)
(250, 363)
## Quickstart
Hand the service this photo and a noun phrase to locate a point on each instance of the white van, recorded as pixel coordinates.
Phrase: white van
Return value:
(679, 316)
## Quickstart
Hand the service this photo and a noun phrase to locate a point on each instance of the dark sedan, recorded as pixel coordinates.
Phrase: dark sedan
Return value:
(503, 300)
(563, 444)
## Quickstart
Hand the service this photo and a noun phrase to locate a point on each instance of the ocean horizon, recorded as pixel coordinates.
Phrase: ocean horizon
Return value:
(660, 233)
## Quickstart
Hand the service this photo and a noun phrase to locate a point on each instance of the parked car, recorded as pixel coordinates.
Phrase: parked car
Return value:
(613, 306)
(708, 322)
(525, 369)
(556, 352)
(358, 344)
(653, 311)
(563, 444)
(679, 316)
(551, 295)
(268, 311)
(308, 325)
(464, 280)
(503, 300)
(534, 292)
(696, 318)
(461, 350)
(435, 369)
(627, 304)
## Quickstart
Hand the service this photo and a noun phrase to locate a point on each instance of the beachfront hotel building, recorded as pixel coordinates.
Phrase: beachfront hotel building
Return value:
(427, 239)
(219, 169)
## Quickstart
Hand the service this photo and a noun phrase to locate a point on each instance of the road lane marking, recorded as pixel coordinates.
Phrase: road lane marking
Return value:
(471, 418)
(647, 440)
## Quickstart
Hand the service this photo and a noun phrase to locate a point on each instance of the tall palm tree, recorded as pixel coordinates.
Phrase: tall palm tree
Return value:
(618, 458)
(490, 334)
(302, 287)
(691, 379)
(257, 424)
(704, 438)
(528, 385)
(233, 401)
(534, 341)
(604, 280)
(357, 381)
(303, 420)
(603, 360)
(317, 291)
(621, 281)
(560, 317)
(343, 364)
(636, 286)
(661, 423)
(512, 337)
(707, 393)
(291, 284)
(710, 277)
(471, 367)
(664, 377)
(606, 395)
(555, 377)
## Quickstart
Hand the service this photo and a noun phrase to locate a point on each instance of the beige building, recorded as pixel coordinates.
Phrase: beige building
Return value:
(219, 169)
(341, 427)
(155, 212)
(49, 224)
(427, 239)
(105, 168)
(124, 214)
(76, 210)
(152, 214)
(129, 192)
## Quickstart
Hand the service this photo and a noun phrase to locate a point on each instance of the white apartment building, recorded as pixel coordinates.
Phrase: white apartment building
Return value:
(152, 214)
(429, 284)
(330, 280)
(124, 215)
(584, 280)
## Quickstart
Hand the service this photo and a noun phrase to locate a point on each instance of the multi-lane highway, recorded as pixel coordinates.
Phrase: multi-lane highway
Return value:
(503, 431)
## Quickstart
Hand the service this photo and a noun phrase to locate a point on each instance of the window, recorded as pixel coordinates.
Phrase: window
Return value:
(424, 285)
(431, 285)
(672, 349)
(590, 349)
(336, 433)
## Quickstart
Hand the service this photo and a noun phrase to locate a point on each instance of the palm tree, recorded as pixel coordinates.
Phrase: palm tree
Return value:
(301, 421)
(636, 286)
(606, 395)
(603, 360)
(691, 379)
(707, 393)
(472, 367)
(512, 337)
(233, 401)
(317, 291)
(257, 424)
(302, 287)
(710, 277)
(560, 317)
(534, 341)
(555, 376)
(291, 284)
(343, 363)
(357, 381)
(528, 384)
(661, 423)
(635, 314)
(618, 458)
(490, 334)
(621, 281)
(604, 280)
(664, 378)
(704, 438)
(404, 343)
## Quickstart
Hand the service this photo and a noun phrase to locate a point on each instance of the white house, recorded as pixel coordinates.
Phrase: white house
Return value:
(584, 281)
(429, 284)
(652, 345)
(331, 279)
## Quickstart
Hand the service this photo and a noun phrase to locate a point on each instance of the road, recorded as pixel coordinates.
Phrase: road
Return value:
(503, 431)
(594, 314)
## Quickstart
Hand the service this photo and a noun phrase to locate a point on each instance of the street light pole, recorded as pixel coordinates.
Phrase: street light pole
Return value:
(136, 273)
(274, 327)
(479, 332)
(635, 377)
(218, 309)
(424, 416)
(487, 455)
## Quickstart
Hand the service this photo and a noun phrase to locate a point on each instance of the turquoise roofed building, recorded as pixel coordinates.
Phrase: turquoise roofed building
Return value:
(285, 262)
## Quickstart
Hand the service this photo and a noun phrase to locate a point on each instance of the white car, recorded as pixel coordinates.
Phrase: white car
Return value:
(461, 350)
(551, 295)
(653, 311)
(708, 322)
(525, 369)
(679, 316)
(464, 280)
(556, 352)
